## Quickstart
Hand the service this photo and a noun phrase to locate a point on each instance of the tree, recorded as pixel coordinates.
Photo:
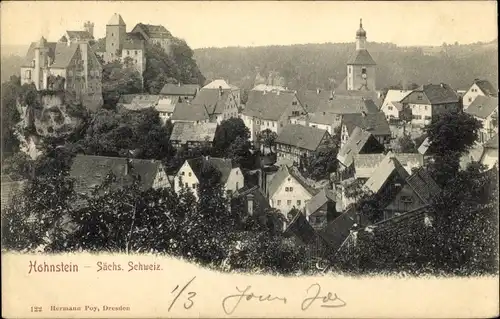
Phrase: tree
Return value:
(267, 138)
(406, 144)
(450, 135)
(323, 162)
(11, 91)
(239, 152)
(119, 79)
(227, 132)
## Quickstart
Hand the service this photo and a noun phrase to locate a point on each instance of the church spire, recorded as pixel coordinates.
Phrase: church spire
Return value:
(360, 37)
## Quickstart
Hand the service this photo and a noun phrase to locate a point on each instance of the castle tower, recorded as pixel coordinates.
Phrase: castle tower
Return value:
(361, 66)
(115, 36)
(40, 63)
(89, 27)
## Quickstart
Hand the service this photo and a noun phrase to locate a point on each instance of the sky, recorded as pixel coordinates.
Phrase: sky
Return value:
(249, 23)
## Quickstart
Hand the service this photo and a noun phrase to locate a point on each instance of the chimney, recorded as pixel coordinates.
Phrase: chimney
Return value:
(179, 84)
(250, 204)
(318, 91)
(442, 85)
(332, 95)
(128, 166)
(363, 113)
(324, 113)
(220, 91)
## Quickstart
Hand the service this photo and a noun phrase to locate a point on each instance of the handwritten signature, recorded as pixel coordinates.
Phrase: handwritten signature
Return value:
(244, 294)
(327, 301)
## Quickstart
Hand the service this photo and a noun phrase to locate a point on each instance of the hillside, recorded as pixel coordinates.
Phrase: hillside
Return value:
(323, 65)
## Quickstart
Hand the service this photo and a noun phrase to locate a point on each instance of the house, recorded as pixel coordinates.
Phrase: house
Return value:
(359, 142)
(137, 102)
(375, 123)
(296, 142)
(429, 100)
(62, 65)
(479, 88)
(337, 231)
(474, 155)
(90, 171)
(485, 110)
(288, 189)
(270, 111)
(166, 107)
(490, 155)
(220, 104)
(303, 234)
(190, 174)
(365, 164)
(123, 46)
(398, 190)
(219, 83)
(181, 91)
(269, 88)
(192, 135)
(10, 188)
(154, 34)
(322, 120)
(314, 100)
(321, 209)
(190, 113)
(392, 106)
(77, 36)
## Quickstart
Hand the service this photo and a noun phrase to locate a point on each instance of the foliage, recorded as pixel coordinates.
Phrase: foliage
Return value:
(163, 67)
(323, 162)
(406, 144)
(267, 138)
(10, 115)
(227, 132)
(239, 153)
(119, 79)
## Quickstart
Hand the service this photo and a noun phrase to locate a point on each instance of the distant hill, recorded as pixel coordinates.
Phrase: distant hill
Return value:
(323, 65)
(10, 66)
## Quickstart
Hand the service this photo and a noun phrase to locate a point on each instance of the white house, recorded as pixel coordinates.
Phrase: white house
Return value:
(288, 189)
(392, 103)
(190, 174)
(485, 110)
(490, 155)
(478, 88)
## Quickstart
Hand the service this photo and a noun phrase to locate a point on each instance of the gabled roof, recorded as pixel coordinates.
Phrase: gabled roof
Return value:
(154, 31)
(64, 54)
(283, 173)
(348, 105)
(384, 170)
(423, 185)
(375, 123)
(301, 229)
(300, 136)
(261, 203)
(393, 96)
(365, 164)
(483, 106)
(361, 57)
(436, 93)
(79, 35)
(116, 19)
(268, 106)
(213, 100)
(167, 104)
(179, 89)
(138, 101)
(314, 100)
(353, 146)
(487, 88)
(224, 166)
(216, 84)
(189, 112)
(30, 55)
(90, 171)
(424, 147)
(320, 199)
(133, 41)
(268, 88)
(492, 142)
(336, 232)
(190, 132)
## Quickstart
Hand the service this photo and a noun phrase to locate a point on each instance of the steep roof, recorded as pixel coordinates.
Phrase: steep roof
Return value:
(487, 88)
(365, 164)
(189, 112)
(190, 132)
(64, 54)
(262, 203)
(138, 101)
(300, 136)
(301, 229)
(154, 31)
(167, 104)
(384, 170)
(282, 174)
(213, 100)
(320, 199)
(336, 232)
(423, 185)
(483, 106)
(375, 123)
(116, 19)
(79, 35)
(361, 57)
(179, 89)
(133, 41)
(314, 100)
(268, 106)
(437, 93)
(353, 146)
(424, 147)
(219, 83)
(395, 96)
(348, 105)
(325, 118)
(224, 166)
(30, 55)
(90, 171)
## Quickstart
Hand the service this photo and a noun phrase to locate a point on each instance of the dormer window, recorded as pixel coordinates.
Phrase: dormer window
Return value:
(33, 63)
(363, 70)
(294, 103)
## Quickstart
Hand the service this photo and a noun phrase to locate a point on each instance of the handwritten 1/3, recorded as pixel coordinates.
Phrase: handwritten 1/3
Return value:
(189, 298)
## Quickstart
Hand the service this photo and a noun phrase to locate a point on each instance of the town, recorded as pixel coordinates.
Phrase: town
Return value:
(119, 145)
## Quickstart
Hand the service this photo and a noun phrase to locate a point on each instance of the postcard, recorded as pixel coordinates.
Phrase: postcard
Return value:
(239, 159)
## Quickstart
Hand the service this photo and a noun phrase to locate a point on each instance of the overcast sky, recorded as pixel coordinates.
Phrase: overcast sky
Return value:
(220, 24)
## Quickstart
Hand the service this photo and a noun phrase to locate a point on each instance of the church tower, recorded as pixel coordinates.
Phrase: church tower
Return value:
(115, 36)
(361, 66)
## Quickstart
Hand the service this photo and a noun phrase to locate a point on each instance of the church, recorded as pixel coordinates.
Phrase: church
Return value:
(360, 68)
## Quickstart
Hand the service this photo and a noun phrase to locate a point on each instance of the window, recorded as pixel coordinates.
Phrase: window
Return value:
(291, 189)
(406, 199)
(189, 174)
(298, 202)
(237, 185)
(419, 97)
(294, 103)
(279, 202)
(194, 186)
(289, 202)
(182, 173)
(112, 34)
(389, 108)
(470, 99)
(428, 117)
(363, 70)
(186, 185)
(27, 74)
(135, 52)
(287, 189)
(425, 107)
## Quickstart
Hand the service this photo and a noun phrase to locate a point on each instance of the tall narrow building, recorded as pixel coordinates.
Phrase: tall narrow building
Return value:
(361, 66)
(115, 36)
